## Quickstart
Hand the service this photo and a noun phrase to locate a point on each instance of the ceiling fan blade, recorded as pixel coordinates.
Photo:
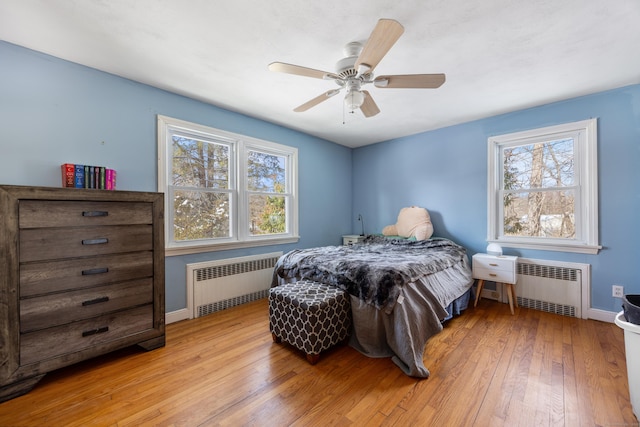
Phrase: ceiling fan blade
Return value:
(369, 107)
(383, 36)
(416, 81)
(317, 100)
(282, 67)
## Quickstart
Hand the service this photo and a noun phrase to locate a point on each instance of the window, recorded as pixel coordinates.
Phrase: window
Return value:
(224, 190)
(543, 188)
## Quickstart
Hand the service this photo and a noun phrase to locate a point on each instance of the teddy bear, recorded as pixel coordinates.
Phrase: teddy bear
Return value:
(412, 222)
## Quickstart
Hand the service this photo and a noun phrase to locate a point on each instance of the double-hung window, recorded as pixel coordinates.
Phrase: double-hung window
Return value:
(224, 190)
(543, 188)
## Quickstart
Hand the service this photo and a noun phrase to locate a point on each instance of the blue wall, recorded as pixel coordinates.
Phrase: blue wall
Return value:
(446, 171)
(53, 112)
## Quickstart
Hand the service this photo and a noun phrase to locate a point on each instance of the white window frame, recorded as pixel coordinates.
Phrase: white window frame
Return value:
(240, 236)
(585, 135)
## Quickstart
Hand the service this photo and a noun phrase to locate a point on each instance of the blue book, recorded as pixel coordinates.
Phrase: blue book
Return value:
(79, 176)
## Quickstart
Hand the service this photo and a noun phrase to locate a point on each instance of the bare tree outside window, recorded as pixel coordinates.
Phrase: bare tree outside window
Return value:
(539, 189)
(266, 182)
(200, 170)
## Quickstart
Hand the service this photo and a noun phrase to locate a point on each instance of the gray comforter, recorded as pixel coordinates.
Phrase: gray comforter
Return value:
(400, 290)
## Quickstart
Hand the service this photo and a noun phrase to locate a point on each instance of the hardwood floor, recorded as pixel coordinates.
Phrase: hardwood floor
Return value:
(488, 368)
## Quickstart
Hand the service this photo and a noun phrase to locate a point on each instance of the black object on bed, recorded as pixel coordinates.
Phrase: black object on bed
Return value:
(401, 290)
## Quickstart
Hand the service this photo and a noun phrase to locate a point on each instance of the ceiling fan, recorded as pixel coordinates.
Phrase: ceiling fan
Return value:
(355, 70)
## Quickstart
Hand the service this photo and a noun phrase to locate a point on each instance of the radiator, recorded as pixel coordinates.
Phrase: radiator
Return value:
(217, 285)
(551, 286)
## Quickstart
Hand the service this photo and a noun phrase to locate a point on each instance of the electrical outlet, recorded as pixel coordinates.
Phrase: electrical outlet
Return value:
(617, 291)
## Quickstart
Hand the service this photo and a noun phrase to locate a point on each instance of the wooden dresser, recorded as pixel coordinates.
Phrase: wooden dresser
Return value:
(81, 274)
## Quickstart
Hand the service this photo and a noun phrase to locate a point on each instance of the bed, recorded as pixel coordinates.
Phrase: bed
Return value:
(401, 291)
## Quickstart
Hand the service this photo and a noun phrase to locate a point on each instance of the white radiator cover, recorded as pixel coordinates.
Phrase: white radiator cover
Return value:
(552, 286)
(220, 284)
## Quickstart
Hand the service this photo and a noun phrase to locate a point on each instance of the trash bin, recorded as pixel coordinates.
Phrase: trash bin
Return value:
(631, 308)
(632, 350)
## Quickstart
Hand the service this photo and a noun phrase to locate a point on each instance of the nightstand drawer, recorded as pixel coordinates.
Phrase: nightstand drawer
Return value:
(352, 239)
(493, 263)
(502, 276)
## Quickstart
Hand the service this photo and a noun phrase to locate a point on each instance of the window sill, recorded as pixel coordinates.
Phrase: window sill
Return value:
(186, 250)
(582, 249)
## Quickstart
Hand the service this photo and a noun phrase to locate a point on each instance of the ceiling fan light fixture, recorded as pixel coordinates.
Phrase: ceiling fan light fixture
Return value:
(353, 100)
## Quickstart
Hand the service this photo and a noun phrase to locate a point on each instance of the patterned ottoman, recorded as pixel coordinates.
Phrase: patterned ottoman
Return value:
(310, 316)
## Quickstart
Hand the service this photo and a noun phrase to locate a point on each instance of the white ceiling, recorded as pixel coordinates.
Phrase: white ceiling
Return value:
(498, 55)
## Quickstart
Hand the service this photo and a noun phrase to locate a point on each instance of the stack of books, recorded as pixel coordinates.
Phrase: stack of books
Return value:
(83, 176)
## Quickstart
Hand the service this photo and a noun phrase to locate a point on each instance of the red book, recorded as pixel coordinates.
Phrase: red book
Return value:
(68, 174)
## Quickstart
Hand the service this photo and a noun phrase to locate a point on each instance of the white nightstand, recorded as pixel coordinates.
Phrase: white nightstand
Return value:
(499, 269)
(352, 239)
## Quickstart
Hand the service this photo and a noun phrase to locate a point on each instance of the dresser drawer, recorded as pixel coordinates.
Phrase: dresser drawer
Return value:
(69, 338)
(57, 243)
(55, 276)
(494, 275)
(52, 213)
(58, 309)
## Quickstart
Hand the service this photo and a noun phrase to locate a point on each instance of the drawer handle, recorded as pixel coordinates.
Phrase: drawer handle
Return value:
(99, 241)
(95, 271)
(493, 265)
(95, 213)
(493, 275)
(95, 301)
(95, 331)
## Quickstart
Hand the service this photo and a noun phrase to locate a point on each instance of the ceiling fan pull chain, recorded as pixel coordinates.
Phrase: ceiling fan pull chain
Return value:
(344, 121)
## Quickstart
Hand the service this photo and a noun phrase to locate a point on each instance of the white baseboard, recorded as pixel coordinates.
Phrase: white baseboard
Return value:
(178, 315)
(601, 315)
(592, 313)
